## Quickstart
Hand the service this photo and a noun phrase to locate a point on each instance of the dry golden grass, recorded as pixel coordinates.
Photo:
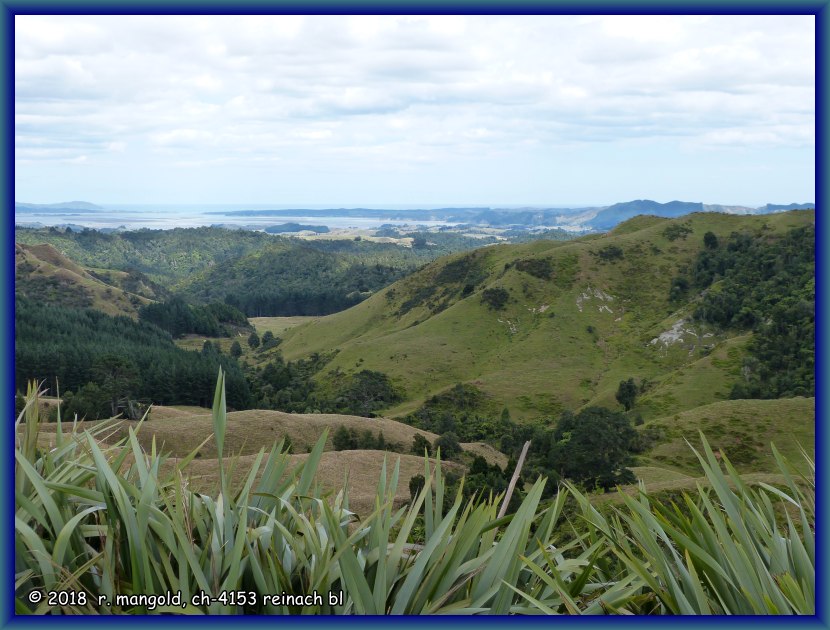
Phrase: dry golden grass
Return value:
(490, 454)
(358, 470)
(178, 431)
(177, 411)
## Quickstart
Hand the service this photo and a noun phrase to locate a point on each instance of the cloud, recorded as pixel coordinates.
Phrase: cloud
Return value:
(387, 90)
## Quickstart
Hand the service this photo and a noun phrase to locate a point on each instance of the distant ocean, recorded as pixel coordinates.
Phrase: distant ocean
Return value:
(165, 217)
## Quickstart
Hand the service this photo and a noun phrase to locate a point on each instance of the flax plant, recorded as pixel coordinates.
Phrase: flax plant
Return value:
(728, 549)
(105, 518)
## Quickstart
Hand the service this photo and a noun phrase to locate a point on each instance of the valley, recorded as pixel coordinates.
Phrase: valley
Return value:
(503, 315)
(489, 345)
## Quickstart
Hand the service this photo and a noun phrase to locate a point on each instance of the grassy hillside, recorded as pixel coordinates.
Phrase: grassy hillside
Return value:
(44, 274)
(547, 326)
(161, 254)
(742, 428)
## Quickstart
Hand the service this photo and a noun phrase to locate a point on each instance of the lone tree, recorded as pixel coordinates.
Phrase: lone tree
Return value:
(627, 393)
(236, 350)
(710, 240)
(448, 443)
(253, 341)
(421, 444)
(594, 447)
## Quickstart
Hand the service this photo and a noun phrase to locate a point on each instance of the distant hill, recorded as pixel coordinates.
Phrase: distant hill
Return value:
(547, 326)
(43, 273)
(771, 207)
(578, 219)
(45, 208)
(285, 228)
(611, 216)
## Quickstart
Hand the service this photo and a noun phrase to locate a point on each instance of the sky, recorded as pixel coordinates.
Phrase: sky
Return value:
(398, 110)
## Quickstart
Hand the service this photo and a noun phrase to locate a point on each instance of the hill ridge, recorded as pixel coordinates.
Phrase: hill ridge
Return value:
(601, 299)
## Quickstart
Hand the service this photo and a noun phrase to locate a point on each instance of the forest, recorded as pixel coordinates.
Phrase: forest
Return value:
(765, 285)
(98, 358)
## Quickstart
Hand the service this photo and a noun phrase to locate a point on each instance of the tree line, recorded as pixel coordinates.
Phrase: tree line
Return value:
(72, 348)
(179, 318)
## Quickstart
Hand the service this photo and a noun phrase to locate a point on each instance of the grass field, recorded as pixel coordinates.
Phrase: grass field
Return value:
(278, 325)
(254, 356)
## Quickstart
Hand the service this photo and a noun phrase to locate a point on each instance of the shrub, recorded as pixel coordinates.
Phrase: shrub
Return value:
(610, 253)
(676, 231)
(538, 267)
(495, 298)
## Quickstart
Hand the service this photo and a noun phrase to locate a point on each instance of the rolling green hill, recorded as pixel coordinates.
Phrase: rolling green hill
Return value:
(44, 274)
(547, 326)
(744, 429)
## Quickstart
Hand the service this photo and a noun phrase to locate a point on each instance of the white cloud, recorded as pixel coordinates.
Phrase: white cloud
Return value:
(387, 90)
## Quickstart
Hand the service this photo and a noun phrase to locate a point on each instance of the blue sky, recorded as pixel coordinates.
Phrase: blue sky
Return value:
(433, 110)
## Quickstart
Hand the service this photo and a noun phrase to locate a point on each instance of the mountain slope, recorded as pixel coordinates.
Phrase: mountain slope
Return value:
(619, 212)
(43, 273)
(547, 326)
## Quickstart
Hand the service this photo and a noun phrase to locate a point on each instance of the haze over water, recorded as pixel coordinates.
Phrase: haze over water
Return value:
(165, 217)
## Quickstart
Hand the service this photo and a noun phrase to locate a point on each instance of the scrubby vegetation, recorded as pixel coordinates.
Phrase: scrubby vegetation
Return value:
(591, 448)
(541, 268)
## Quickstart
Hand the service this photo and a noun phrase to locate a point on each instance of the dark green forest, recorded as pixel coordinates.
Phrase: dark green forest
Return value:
(763, 284)
(299, 281)
(179, 318)
(80, 346)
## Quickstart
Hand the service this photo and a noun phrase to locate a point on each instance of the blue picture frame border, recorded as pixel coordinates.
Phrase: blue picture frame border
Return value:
(9, 8)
